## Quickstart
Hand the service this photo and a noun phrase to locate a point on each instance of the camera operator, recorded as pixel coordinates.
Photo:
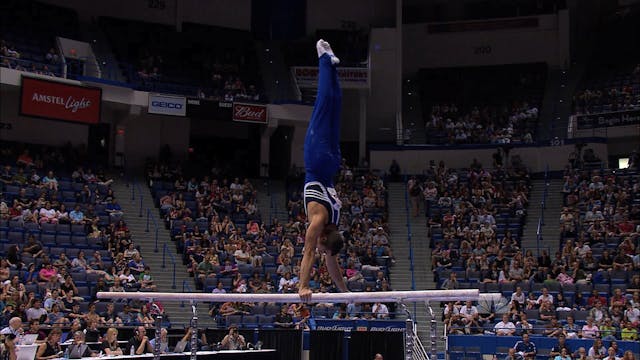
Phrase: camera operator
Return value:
(233, 340)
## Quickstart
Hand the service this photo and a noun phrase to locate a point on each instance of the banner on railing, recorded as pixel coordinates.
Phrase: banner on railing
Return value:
(616, 118)
(360, 325)
(60, 101)
(353, 78)
(167, 105)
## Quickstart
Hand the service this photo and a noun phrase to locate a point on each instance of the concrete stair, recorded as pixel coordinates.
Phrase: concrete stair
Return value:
(401, 277)
(553, 207)
(179, 314)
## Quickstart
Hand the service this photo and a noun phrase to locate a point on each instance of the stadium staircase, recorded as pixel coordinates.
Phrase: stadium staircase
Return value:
(272, 200)
(179, 314)
(550, 229)
(401, 276)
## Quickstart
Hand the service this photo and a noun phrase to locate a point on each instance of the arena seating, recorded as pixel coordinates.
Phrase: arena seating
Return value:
(460, 107)
(202, 61)
(208, 219)
(606, 89)
(28, 35)
(600, 214)
(50, 217)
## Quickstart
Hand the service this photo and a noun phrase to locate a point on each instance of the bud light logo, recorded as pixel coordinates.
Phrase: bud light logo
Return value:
(167, 105)
(334, 328)
(250, 113)
(386, 328)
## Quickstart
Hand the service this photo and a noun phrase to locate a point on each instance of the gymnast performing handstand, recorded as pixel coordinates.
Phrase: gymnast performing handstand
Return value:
(322, 161)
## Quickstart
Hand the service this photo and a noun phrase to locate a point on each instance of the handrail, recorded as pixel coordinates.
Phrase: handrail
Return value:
(543, 206)
(137, 184)
(185, 288)
(409, 238)
(165, 251)
(152, 218)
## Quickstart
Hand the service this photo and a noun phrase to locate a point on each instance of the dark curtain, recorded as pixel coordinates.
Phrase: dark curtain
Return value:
(364, 345)
(287, 342)
(325, 345)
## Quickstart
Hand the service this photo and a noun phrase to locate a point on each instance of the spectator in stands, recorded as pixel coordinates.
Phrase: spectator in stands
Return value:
(505, 327)
(561, 348)
(526, 348)
(114, 209)
(139, 342)
(50, 349)
(629, 332)
(33, 247)
(14, 327)
(597, 351)
(233, 340)
(590, 330)
(380, 311)
(469, 316)
(110, 344)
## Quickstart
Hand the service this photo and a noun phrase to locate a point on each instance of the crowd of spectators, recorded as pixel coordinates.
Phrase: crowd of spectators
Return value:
(510, 123)
(63, 239)
(202, 61)
(617, 92)
(588, 289)
(227, 247)
(11, 59)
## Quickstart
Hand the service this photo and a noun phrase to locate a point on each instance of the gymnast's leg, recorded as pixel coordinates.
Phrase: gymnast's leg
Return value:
(322, 143)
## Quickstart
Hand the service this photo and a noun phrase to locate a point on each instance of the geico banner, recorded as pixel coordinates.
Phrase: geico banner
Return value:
(59, 101)
(167, 105)
(253, 113)
(350, 78)
(617, 118)
(360, 325)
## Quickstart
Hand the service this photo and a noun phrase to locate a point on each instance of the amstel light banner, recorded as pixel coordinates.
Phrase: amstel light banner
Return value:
(60, 101)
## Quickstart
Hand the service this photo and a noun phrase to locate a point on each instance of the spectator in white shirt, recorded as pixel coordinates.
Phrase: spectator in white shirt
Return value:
(469, 316)
(380, 311)
(518, 296)
(505, 327)
(545, 297)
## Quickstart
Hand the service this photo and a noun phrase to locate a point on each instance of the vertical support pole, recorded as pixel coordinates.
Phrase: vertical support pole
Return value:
(433, 351)
(158, 341)
(194, 332)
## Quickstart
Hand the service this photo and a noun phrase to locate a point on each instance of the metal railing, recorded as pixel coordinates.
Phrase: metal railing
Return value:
(152, 218)
(409, 238)
(543, 206)
(172, 259)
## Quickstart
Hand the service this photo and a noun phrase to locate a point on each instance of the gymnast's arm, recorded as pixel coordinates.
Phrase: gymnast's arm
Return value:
(318, 218)
(334, 270)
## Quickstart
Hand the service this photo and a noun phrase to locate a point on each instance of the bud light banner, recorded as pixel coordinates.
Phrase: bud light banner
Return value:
(617, 118)
(167, 105)
(360, 325)
(60, 101)
(253, 113)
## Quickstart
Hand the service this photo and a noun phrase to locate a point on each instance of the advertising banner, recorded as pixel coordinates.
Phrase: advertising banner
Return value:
(208, 109)
(617, 118)
(253, 113)
(59, 101)
(350, 78)
(167, 105)
(360, 325)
